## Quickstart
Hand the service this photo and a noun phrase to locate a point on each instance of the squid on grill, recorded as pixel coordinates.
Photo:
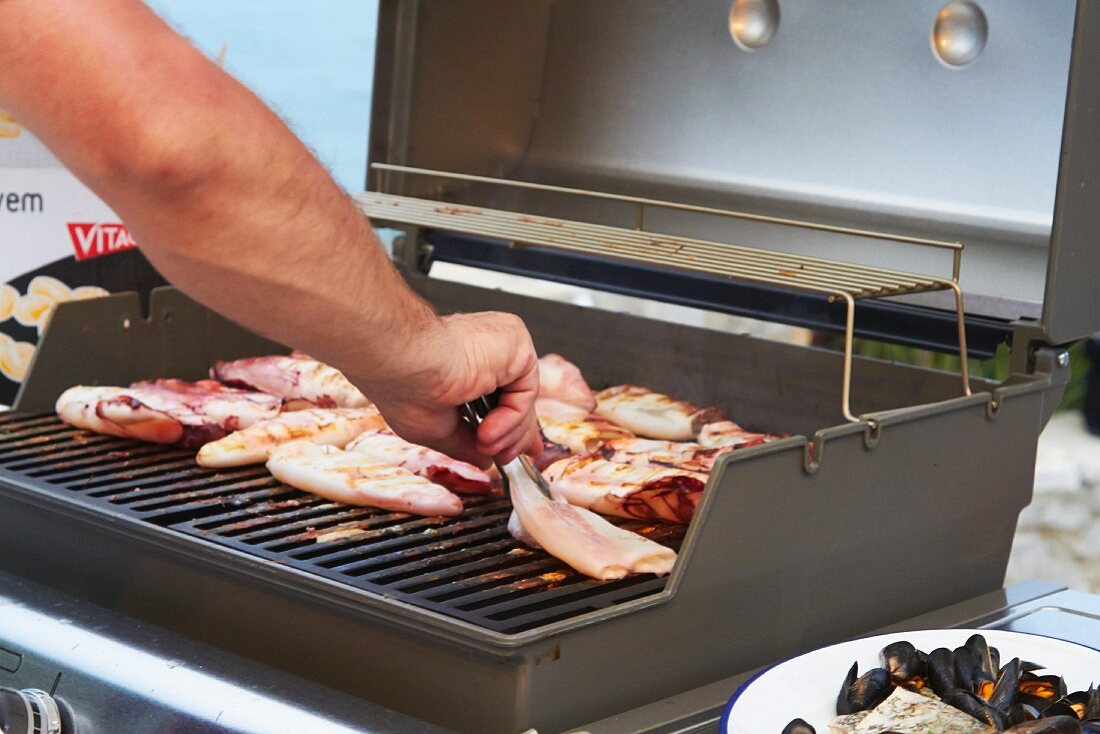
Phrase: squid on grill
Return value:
(626, 490)
(297, 378)
(358, 479)
(165, 411)
(382, 444)
(253, 445)
(653, 415)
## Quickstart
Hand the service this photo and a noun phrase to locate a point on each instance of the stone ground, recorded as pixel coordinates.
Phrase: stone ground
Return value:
(1058, 537)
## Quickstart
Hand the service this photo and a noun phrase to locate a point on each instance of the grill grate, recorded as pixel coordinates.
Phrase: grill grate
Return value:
(467, 567)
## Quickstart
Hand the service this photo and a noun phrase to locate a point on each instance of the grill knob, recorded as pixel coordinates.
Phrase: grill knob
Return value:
(29, 711)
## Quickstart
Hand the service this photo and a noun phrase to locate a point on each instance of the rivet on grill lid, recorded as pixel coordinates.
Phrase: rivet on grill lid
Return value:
(959, 33)
(752, 23)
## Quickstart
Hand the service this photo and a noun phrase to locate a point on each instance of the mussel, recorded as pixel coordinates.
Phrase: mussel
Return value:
(988, 657)
(941, 672)
(1022, 713)
(1004, 692)
(1056, 725)
(968, 670)
(1050, 687)
(798, 726)
(1079, 702)
(972, 704)
(1092, 708)
(1061, 707)
(904, 664)
(863, 692)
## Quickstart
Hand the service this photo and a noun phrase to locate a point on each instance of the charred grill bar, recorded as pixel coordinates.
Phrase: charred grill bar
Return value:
(847, 526)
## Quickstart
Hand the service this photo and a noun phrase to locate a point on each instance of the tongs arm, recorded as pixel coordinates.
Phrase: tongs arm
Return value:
(518, 469)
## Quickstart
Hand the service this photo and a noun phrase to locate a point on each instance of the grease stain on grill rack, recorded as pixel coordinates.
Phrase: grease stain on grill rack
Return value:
(467, 567)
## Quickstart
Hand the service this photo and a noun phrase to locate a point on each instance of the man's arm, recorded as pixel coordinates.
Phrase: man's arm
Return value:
(233, 209)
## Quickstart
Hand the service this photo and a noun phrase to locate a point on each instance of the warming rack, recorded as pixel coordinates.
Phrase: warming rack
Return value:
(838, 281)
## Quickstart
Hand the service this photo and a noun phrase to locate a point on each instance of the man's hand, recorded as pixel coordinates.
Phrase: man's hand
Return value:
(458, 360)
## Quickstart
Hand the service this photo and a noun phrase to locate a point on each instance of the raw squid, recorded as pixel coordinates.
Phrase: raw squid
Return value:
(580, 538)
(357, 479)
(384, 445)
(727, 434)
(560, 379)
(626, 490)
(653, 415)
(252, 445)
(201, 411)
(574, 427)
(654, 452)
(297, 378)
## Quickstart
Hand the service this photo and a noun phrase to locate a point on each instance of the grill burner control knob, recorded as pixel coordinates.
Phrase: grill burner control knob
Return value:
(753, 22)
(29, 711)
(960, 33)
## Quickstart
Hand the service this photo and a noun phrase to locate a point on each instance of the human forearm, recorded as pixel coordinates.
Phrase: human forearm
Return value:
(233, 209)
(290, 257)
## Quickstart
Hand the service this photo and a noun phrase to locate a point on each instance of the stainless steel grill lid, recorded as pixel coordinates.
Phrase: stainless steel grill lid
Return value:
(845, 115)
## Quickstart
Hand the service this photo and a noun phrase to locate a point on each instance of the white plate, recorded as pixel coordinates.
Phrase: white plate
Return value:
(806, 687)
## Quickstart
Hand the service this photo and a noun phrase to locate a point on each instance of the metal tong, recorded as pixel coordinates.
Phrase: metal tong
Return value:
(519, 469)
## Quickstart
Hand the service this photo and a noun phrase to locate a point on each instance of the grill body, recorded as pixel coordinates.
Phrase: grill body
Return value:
(791, 547)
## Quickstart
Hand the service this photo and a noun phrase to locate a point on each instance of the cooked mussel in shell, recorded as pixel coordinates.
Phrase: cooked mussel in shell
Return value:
(941, 672)
(1050, 687)
(862, 692)
(1013, 698)
(798, 726)
(1056, 725)
(1003, 695)
(904, 663)
(974, 705)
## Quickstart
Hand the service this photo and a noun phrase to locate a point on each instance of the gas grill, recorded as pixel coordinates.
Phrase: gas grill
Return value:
(634, 147)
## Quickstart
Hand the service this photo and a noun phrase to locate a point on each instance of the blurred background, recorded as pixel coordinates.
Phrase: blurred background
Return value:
(312, 62)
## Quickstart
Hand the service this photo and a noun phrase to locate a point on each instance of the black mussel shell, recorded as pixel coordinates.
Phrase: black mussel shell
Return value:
(941, 671)
(968, 671)
(970, 703)
(984, 655)
(1057, 725)
(798, 726)
(1030, 667)
(1090, 727)
(901, 661)
(1050, 687)
(1004, 692)
(1022, 713)
(1092, 708)
(1041, 704)
(1079, 701)
(868, 691)
(843, 705)
(1060, 708)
